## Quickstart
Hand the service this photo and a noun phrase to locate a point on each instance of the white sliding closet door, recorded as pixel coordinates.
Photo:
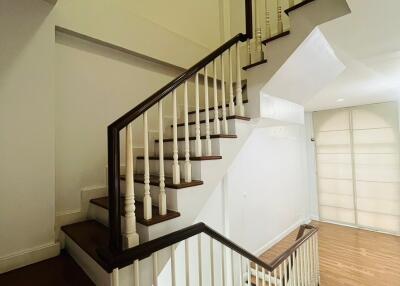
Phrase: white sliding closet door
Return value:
(358, 166)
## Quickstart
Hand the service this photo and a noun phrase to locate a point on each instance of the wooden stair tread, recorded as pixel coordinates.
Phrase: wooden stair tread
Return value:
(170, 158)
(212, 120)
(213, 136)
(273, 38)
(61, 270)
(212, 108)
(89, 236)
(103, 203)
(254, 64)
(297, 6)
(155, 181)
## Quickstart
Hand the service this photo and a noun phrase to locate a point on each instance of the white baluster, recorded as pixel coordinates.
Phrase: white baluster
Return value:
(307, 254)
(298, 267)
(310, 250)
(217, 129)
(239, 98)
(212, 262)
(136, 275)
(280, 273)
(208, 138)
(175, 167)
(115, 277)
(263, 276)
(302, 270)
(285, 274)
(187, 263)
(199, 259)
(173, 266)
(269, 278)
(257, 278)
(232, 269)
(258, 33)
(188, 165)
(147, 198)
(275, 276)
(231, 102)
(224, 121)
(317, 258)
(197, 97)
(309, 261)
(241, 270)
(130, 237)
(223, 264)
(155, 269)
(248, 272)
(162, 198)
(280, 23)
(267, 21)
(248, 51)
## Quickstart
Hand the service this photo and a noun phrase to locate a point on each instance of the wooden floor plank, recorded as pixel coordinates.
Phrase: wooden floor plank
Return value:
(61, 271)
(351, 257)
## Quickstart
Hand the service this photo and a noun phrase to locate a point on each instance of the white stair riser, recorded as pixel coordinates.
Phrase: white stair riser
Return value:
(181, 147)
(192, 128)
(155, 168)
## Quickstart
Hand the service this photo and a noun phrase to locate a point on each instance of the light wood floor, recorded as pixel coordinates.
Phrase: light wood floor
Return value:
(352, 257)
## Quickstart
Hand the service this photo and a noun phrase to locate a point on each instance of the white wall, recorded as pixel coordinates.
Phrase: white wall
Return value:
(94, 86)
(178, 32)
(27, 128)
(268, 186)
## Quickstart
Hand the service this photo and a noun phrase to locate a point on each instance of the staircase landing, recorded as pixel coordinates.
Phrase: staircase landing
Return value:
(61, 270)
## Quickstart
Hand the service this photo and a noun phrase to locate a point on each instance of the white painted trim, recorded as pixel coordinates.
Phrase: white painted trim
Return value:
(28, 256)
(280, 236)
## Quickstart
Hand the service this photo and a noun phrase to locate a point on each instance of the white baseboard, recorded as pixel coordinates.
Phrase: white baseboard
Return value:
(28, 256)
(280, 236)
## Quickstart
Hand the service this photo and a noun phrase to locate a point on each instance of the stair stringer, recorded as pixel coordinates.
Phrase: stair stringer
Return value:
(302, 23)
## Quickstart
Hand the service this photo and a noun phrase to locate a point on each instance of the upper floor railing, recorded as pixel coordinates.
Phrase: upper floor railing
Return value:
(203, 248)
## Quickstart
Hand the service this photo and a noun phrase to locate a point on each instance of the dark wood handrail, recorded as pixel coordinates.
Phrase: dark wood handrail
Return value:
(113, 143)
(113, 260)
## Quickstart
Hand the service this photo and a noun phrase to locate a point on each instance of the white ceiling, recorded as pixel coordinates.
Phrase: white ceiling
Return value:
(367, 42)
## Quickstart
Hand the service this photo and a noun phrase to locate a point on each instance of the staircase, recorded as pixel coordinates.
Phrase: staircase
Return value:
(143, 232)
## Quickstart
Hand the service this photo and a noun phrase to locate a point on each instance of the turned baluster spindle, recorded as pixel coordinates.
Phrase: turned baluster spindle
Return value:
(280, 23)
(258, 33)
(197, 124)
(155, 269)
(187, 263)
(114, 278)
(224, 121)
(223, 277)
(207, 113)
(162, 198)
(188, 165)
(267, 21)
(199, 262)
(147, 198)
(231, 102)
(173, 266)
(175, 167)
(136, 275)
(217, 129)
(212, 261)
(239, 95)
(130, 237)
(241, 270)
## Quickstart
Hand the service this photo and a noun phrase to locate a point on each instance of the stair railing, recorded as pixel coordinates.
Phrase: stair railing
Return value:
(297, 265)
(270, 22)
(130, 238)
